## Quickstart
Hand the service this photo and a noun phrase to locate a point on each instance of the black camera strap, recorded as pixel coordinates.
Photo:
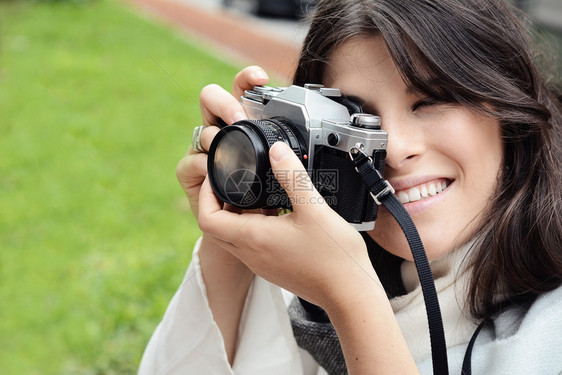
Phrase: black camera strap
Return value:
(383, 193)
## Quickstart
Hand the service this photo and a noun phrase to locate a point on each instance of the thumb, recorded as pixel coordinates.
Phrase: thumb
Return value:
(292, 176)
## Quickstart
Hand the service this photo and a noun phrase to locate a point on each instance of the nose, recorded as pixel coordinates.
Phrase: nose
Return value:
(406, 142)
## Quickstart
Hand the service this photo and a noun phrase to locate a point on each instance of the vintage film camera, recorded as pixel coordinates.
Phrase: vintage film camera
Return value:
(322, 127)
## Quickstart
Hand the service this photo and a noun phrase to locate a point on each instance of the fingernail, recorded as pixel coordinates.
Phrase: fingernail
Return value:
(279, 151)
(260, 74)
(238, 116)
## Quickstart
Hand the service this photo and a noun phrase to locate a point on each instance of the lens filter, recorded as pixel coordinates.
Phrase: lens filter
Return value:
(237, 158)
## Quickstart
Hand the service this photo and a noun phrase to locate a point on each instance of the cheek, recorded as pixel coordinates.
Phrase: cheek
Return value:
(472, 145)
(479, 158)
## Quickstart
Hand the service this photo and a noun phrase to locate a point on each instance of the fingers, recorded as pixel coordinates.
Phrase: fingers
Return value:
(207, 135)
(222, 224)
(209, 204)
(247, 78)
(216, 102)
(191, 170)
(292, 176)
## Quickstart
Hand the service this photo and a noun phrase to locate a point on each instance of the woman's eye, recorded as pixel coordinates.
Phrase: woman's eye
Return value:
(426, 102)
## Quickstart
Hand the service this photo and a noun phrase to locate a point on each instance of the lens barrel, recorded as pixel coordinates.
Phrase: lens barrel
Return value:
(238, 163)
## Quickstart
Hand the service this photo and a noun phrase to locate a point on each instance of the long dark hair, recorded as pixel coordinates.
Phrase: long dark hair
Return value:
(478, 54)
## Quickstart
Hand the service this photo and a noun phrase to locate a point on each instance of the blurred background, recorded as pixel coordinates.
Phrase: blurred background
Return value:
(98, 99)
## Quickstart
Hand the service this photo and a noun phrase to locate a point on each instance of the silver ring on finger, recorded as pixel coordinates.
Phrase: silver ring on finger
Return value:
(196, 139)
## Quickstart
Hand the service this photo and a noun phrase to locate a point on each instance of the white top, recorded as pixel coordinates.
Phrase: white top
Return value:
(188, 341)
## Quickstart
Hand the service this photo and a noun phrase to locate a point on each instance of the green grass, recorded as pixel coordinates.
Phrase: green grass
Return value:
(95, 233)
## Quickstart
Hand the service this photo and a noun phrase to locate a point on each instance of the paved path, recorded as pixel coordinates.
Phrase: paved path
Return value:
(240, 38)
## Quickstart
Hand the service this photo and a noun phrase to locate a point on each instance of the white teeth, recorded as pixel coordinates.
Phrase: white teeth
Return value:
(403, 197)
(432, 190)
(423, 191)
(414, 195)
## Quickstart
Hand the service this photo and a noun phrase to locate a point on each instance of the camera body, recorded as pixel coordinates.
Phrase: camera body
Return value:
(323, 128)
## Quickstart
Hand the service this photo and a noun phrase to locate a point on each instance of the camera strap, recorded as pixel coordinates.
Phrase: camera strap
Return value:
(383, 193)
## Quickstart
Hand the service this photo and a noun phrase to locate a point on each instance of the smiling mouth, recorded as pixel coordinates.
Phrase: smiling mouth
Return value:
(423, 191)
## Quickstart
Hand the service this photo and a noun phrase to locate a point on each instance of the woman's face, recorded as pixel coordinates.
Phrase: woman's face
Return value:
(442, 159)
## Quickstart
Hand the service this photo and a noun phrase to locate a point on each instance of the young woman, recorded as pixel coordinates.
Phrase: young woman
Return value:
(474, 154)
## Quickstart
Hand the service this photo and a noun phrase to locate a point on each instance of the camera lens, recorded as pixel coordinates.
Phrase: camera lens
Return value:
(238, 163)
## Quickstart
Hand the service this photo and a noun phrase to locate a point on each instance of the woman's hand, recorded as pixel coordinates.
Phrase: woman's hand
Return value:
(215, 103)
(312, 252)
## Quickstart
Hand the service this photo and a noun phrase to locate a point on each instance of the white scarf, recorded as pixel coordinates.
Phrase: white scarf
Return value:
(450, 282)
